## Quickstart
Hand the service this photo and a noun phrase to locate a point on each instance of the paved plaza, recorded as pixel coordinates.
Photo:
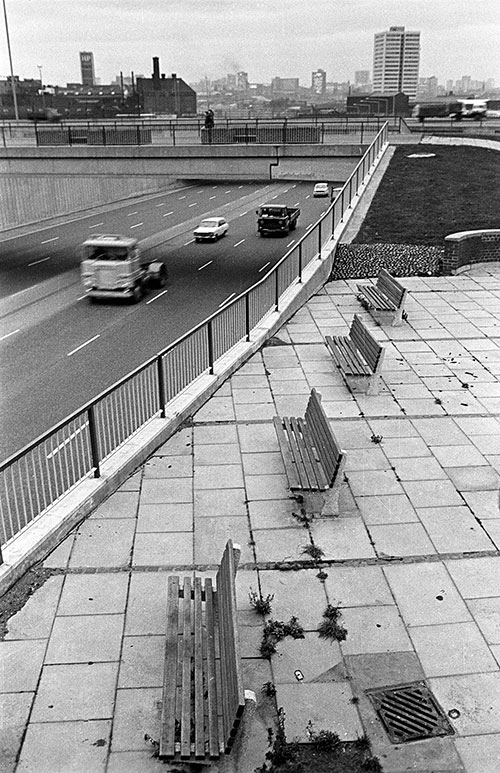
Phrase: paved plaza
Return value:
(412, 560)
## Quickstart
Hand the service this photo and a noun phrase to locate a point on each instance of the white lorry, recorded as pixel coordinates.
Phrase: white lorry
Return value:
(112, 267)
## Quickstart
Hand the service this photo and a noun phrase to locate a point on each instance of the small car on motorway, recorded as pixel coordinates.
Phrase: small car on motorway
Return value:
(321, 189)
(211, 229)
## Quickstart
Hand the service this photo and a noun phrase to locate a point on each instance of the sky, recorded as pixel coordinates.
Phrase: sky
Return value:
(200, 39)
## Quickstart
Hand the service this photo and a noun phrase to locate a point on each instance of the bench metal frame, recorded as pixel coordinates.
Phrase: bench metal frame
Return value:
(203, 696)
(359, 356)
(385, 300)
(313, 459)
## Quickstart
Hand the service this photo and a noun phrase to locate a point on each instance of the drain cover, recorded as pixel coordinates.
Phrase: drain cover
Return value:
(410, 712)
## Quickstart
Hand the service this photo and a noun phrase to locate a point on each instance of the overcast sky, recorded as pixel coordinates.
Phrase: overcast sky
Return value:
(198, 38)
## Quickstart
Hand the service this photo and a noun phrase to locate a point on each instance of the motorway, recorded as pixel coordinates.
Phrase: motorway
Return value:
(57, 351)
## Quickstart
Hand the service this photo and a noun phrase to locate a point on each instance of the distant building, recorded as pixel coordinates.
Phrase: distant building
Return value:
(396, 62)
(165, 96)
(365, 105)
(288, 87)
(318, 82)
(87, 68)
(242, 81)
(362, 77)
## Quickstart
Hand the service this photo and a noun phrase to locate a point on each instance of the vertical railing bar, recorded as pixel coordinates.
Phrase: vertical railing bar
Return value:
(93, 443)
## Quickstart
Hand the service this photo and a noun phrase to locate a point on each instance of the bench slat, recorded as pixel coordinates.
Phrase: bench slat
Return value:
(298, 463)
(290, 465)
(311, 449)
(186, 654)
(325, 440)
(199, 713)
(167, 740)
(213, 725)
(309, 464)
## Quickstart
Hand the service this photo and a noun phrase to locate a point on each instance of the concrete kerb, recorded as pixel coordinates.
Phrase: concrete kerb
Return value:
(41, 536)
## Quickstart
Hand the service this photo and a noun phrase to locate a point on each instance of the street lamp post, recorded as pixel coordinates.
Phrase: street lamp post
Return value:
(14, 95)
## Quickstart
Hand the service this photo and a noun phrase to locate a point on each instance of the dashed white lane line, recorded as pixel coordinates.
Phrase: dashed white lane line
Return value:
(205, 265)
(55, 239)
(182, 197)
(238, 243)
(163, 204)
(309, 226)
(84, 344)
(193, 205)
(156, 297)
(136, 225)
(42, 260)
(129, 214)
(290, 243)
(212, 197)
(240, 186)
(167, 214)
(189, 242)
(68, 440)
(226, 300)
(265, 266)
(7, 335)
(95, 225)
(243, 214)
(227, 191)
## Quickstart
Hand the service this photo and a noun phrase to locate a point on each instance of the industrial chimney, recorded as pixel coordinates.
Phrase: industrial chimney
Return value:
(156, 68)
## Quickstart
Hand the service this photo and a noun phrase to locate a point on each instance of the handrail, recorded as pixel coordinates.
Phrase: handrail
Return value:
(38, 475)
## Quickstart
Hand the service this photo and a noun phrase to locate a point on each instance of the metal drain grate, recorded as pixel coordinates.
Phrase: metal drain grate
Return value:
(410, 712)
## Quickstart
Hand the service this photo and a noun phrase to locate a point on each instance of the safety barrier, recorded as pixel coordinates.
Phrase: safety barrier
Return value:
(45, 470)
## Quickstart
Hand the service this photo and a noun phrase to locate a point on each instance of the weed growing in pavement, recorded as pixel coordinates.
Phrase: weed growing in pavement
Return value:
(376, 438)
(330, 628)
(261, 605)
(305, 519)
(314, 551)
(269, 689)
(275, 631)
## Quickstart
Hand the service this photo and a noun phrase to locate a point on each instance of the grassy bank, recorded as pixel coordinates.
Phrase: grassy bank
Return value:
(421, 200)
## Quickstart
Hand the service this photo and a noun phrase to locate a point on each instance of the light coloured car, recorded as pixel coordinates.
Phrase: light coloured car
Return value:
(321, 189)
(211, 229)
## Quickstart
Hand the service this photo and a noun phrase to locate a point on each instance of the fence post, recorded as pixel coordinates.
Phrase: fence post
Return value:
(247, 316)
(161, 387)
(94, 446)
(103, 135)
(210, 347)
(173, 135)
(362, 128)
(276, 291)
(319, 240)
(138, 134)
(300, 262)
(70, 136)
(342, 206)
(350, 192)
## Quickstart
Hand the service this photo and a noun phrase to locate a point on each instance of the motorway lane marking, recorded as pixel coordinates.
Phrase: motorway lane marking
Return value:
(309, 226)
(194, 205)
(42, 260)
(55, 239)
(189, 242)
(129, 214)
(265, 266)
(243, 214)
(182, 197)
(205, 265)
(82, 345)
(214, 187)
(308, 196)
(68, 440)
(212, 197)
(275, 197)
(163, 204)
(7, 335)
(227, 191)
(238, 243)
(136, 225)
(156, 297)
(297, 204)
(290, 243)
(167, 214)
(96, 225)
(226, 300)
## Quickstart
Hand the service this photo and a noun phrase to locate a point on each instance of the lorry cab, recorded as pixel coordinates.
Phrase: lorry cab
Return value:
(111, 267)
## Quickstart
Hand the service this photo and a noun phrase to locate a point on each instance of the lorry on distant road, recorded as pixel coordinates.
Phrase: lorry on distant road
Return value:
(455, 109)
(112, 267)
(277, 218)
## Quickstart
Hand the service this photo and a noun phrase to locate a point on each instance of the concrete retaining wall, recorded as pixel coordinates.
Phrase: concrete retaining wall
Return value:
(40, 183)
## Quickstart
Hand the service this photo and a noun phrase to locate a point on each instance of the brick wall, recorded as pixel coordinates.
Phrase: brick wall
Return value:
(469, 247)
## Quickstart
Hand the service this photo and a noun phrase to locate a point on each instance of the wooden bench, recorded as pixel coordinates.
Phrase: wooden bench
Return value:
(313, 459)
(203, 696)
(359, 356)
(385, 300)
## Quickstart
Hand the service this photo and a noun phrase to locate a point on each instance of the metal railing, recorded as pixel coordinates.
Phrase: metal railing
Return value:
(36, 477)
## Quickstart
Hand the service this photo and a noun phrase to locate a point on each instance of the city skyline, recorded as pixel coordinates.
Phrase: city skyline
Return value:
(211, 38)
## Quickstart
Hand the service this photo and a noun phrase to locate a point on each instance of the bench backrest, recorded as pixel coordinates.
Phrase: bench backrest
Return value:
(325, 442)
(391, 288)
(366, 344)
(233, 694)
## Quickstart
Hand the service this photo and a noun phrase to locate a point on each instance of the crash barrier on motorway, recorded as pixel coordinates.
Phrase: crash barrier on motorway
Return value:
(189, 133)
(33, 479)
(467, 248)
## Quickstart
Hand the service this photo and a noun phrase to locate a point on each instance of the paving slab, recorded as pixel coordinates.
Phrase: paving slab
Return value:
(325, 706)
(84, 638)
(14, 711)
(68, 747)
(475, 696)
(20, 664)
(103, 543)
(35, 619)
(94, 594)
(75, 692)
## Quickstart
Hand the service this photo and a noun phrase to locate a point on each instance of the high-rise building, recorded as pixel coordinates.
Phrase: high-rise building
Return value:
(87, 68)
(318, 82)
(242, 81)
(396, 61)
(362, 77)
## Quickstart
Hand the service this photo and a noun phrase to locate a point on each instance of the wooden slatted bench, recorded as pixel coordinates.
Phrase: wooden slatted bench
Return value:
(385, 300)
(203, 697)
(313, 459)
(359, 356)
